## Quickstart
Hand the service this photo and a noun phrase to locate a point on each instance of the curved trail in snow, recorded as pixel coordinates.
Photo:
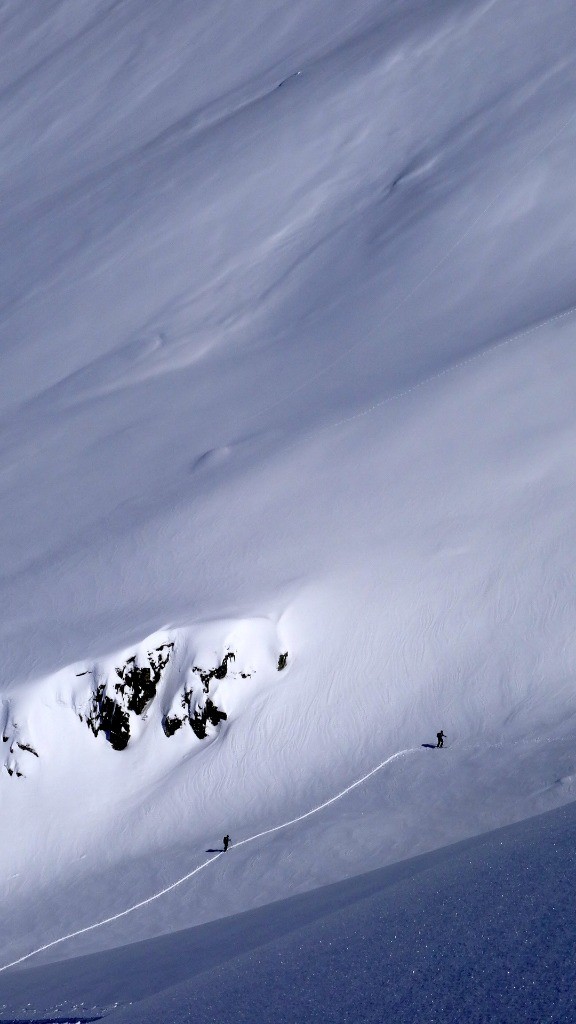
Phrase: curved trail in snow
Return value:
(185, 878)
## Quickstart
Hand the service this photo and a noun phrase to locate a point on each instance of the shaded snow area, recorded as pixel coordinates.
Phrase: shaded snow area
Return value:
(287, 485)
(475, 932)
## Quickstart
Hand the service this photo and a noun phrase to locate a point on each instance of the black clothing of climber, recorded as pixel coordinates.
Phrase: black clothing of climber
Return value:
(226, 842)
(440, 738)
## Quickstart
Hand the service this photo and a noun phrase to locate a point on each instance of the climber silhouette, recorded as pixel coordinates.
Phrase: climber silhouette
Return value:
(226, 842)
(440, 738)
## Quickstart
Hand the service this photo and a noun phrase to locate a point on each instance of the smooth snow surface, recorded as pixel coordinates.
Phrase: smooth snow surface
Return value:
(287, 364)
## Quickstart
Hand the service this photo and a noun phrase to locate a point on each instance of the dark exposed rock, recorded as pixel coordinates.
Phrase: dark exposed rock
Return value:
(282, 659)
(106, 716)
(199, 716)
(115, 723)
(93, 716)
(111, 719)
(209, 714)
(138, 687)
(136, 691)
(215, 714)
(219, 672)
(171, 724)
(139, 684)
(26, 746)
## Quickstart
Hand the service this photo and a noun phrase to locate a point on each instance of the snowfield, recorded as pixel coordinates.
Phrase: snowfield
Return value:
(287, 474)
(478, 931)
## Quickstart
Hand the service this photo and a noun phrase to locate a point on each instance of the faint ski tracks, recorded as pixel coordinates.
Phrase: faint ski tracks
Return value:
(206, 863)
(322, 372)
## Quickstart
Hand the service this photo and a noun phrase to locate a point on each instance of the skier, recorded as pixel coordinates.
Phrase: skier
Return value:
(226, 842)
(440, 738)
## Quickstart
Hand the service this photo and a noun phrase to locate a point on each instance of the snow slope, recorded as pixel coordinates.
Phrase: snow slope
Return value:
(479, 931)
(287, 364)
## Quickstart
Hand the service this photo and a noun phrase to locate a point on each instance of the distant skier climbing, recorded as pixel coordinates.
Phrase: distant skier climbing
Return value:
(226, 842)
(440, 738)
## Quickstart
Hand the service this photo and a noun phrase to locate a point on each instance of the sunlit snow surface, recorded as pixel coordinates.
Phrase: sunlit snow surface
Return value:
(287, 362)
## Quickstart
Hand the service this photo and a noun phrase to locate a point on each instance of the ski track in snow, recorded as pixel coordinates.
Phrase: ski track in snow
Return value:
(364, 412)
(206, 863)
(447, 255)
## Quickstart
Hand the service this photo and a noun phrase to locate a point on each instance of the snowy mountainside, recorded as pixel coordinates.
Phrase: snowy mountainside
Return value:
(288, 365)
(158, 682)
(393, 943)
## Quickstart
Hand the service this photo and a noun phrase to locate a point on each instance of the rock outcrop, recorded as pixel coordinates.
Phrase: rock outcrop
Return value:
(134, 694)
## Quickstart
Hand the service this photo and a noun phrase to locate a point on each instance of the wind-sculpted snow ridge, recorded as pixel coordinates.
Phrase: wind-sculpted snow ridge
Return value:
(206, 863)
